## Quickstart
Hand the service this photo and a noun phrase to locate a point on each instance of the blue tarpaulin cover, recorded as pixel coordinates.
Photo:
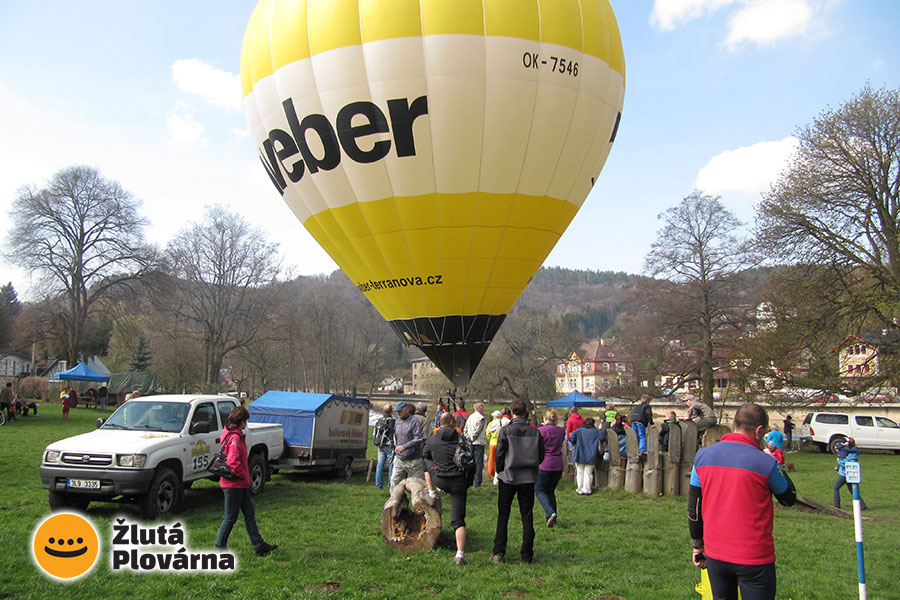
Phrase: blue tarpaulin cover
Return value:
(576, 398)
(296, 411)
(81, 372)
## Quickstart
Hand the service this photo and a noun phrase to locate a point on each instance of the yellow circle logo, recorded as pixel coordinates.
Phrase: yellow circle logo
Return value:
(66, 545)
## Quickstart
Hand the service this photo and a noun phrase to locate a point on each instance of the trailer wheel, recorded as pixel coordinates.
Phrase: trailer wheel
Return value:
(347, 470)
(257, 473)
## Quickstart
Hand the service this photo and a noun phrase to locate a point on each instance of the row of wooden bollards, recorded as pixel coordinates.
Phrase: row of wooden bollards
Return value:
(656, 473)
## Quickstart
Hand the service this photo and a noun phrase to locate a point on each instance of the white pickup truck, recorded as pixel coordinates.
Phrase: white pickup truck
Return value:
(149, 451)
(829, 429)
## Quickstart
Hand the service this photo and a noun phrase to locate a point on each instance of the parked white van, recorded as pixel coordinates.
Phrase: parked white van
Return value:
(871, 432)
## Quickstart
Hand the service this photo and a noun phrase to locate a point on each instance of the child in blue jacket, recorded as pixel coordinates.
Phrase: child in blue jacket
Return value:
(847, 452)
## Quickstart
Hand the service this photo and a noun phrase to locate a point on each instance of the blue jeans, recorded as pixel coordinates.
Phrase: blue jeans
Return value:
(479, 464)
(545, 490)
(238, 500)
(385, 455)
(641, 432)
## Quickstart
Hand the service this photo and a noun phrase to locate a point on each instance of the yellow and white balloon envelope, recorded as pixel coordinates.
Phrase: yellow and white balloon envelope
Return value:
(436, 149)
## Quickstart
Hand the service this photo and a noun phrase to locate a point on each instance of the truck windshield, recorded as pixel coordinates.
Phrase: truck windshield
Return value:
(149, 416)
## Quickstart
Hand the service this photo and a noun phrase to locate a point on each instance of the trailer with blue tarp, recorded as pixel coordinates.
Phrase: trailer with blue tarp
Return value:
(321, 431)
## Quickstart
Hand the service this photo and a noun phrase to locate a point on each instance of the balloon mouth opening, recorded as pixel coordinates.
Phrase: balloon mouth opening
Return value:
(455, 343)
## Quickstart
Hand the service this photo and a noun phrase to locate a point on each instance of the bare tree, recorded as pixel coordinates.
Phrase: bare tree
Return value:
(699, 257)
(83, 236)
(522, 358)
(833, 219)
(222, 272)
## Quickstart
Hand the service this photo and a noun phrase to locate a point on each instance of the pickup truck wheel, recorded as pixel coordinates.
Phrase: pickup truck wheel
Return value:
(257, 473)
(62, 500)
(347, 470)
(164, 496)
(835, 441)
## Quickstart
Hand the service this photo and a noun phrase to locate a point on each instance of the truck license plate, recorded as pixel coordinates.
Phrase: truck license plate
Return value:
(84, 484)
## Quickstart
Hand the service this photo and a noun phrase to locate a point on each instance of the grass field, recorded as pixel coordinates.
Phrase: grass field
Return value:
(609, 545)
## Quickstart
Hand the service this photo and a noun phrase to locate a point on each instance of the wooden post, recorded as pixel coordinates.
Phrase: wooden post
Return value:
(671, 460)
(652, 472)
(633, 473)
(616, 462)
(688, 452)
(714, 434)
(601, 470)
(372, 464)
(413, 523)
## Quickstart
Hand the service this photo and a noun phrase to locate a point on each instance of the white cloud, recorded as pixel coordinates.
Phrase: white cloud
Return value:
(764, 22)
(183, 127)
(749, 170)
(221, 88)
(669, 14)
(760, 22)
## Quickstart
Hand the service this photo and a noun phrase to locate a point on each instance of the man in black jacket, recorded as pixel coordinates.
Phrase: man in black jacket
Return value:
(520, 450)
(441, 471)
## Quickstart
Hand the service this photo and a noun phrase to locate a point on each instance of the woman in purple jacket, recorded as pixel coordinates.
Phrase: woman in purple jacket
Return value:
(551, 468)
(237, 489)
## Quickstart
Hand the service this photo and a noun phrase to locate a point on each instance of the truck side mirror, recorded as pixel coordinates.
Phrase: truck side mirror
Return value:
(200, 427)
(100, 422)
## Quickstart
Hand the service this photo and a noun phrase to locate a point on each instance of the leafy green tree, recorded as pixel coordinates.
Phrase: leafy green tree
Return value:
(833, 221)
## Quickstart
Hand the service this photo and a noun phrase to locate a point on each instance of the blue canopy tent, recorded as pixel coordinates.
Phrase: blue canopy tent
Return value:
(296, 411)
(81, 372)
(576, 398)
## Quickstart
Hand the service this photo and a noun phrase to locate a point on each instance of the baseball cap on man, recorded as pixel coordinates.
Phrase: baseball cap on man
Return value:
(496, 414)
(401, 405)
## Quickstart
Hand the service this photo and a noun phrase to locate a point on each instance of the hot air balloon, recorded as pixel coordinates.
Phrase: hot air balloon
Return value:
(436, 149)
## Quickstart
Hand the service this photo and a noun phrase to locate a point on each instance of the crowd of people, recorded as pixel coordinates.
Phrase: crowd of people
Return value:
(526, 461)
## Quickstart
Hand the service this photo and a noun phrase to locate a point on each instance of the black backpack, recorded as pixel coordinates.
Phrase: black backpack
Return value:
(464, 455)
(383, 433)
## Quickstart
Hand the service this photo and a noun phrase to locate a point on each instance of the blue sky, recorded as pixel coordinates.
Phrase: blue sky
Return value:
(147, 92)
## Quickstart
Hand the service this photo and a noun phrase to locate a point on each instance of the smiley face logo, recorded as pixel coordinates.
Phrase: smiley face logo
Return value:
(65, 545)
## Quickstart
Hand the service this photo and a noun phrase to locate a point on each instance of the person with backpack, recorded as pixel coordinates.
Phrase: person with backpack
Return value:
(450, 466)
(237, 489)
(475, 433)
(641, 418)
(383, 438)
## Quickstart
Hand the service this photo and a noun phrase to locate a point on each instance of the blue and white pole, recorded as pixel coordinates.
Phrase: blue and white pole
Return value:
(853, 478)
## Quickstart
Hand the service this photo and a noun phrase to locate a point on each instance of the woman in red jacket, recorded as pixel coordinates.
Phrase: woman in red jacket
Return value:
(237, 490)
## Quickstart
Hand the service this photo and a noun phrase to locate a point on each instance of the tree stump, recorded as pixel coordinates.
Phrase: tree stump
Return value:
(633, 473)
(411, 523)
(688, 452)
(652, 472)
(714, 434)
(671, 462)
(616, 462)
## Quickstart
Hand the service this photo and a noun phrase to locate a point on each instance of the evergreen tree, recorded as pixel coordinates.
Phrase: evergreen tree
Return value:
(140, 358)
(10, 299)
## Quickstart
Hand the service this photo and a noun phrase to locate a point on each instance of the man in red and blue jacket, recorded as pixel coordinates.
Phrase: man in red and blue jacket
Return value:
(730, 511)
